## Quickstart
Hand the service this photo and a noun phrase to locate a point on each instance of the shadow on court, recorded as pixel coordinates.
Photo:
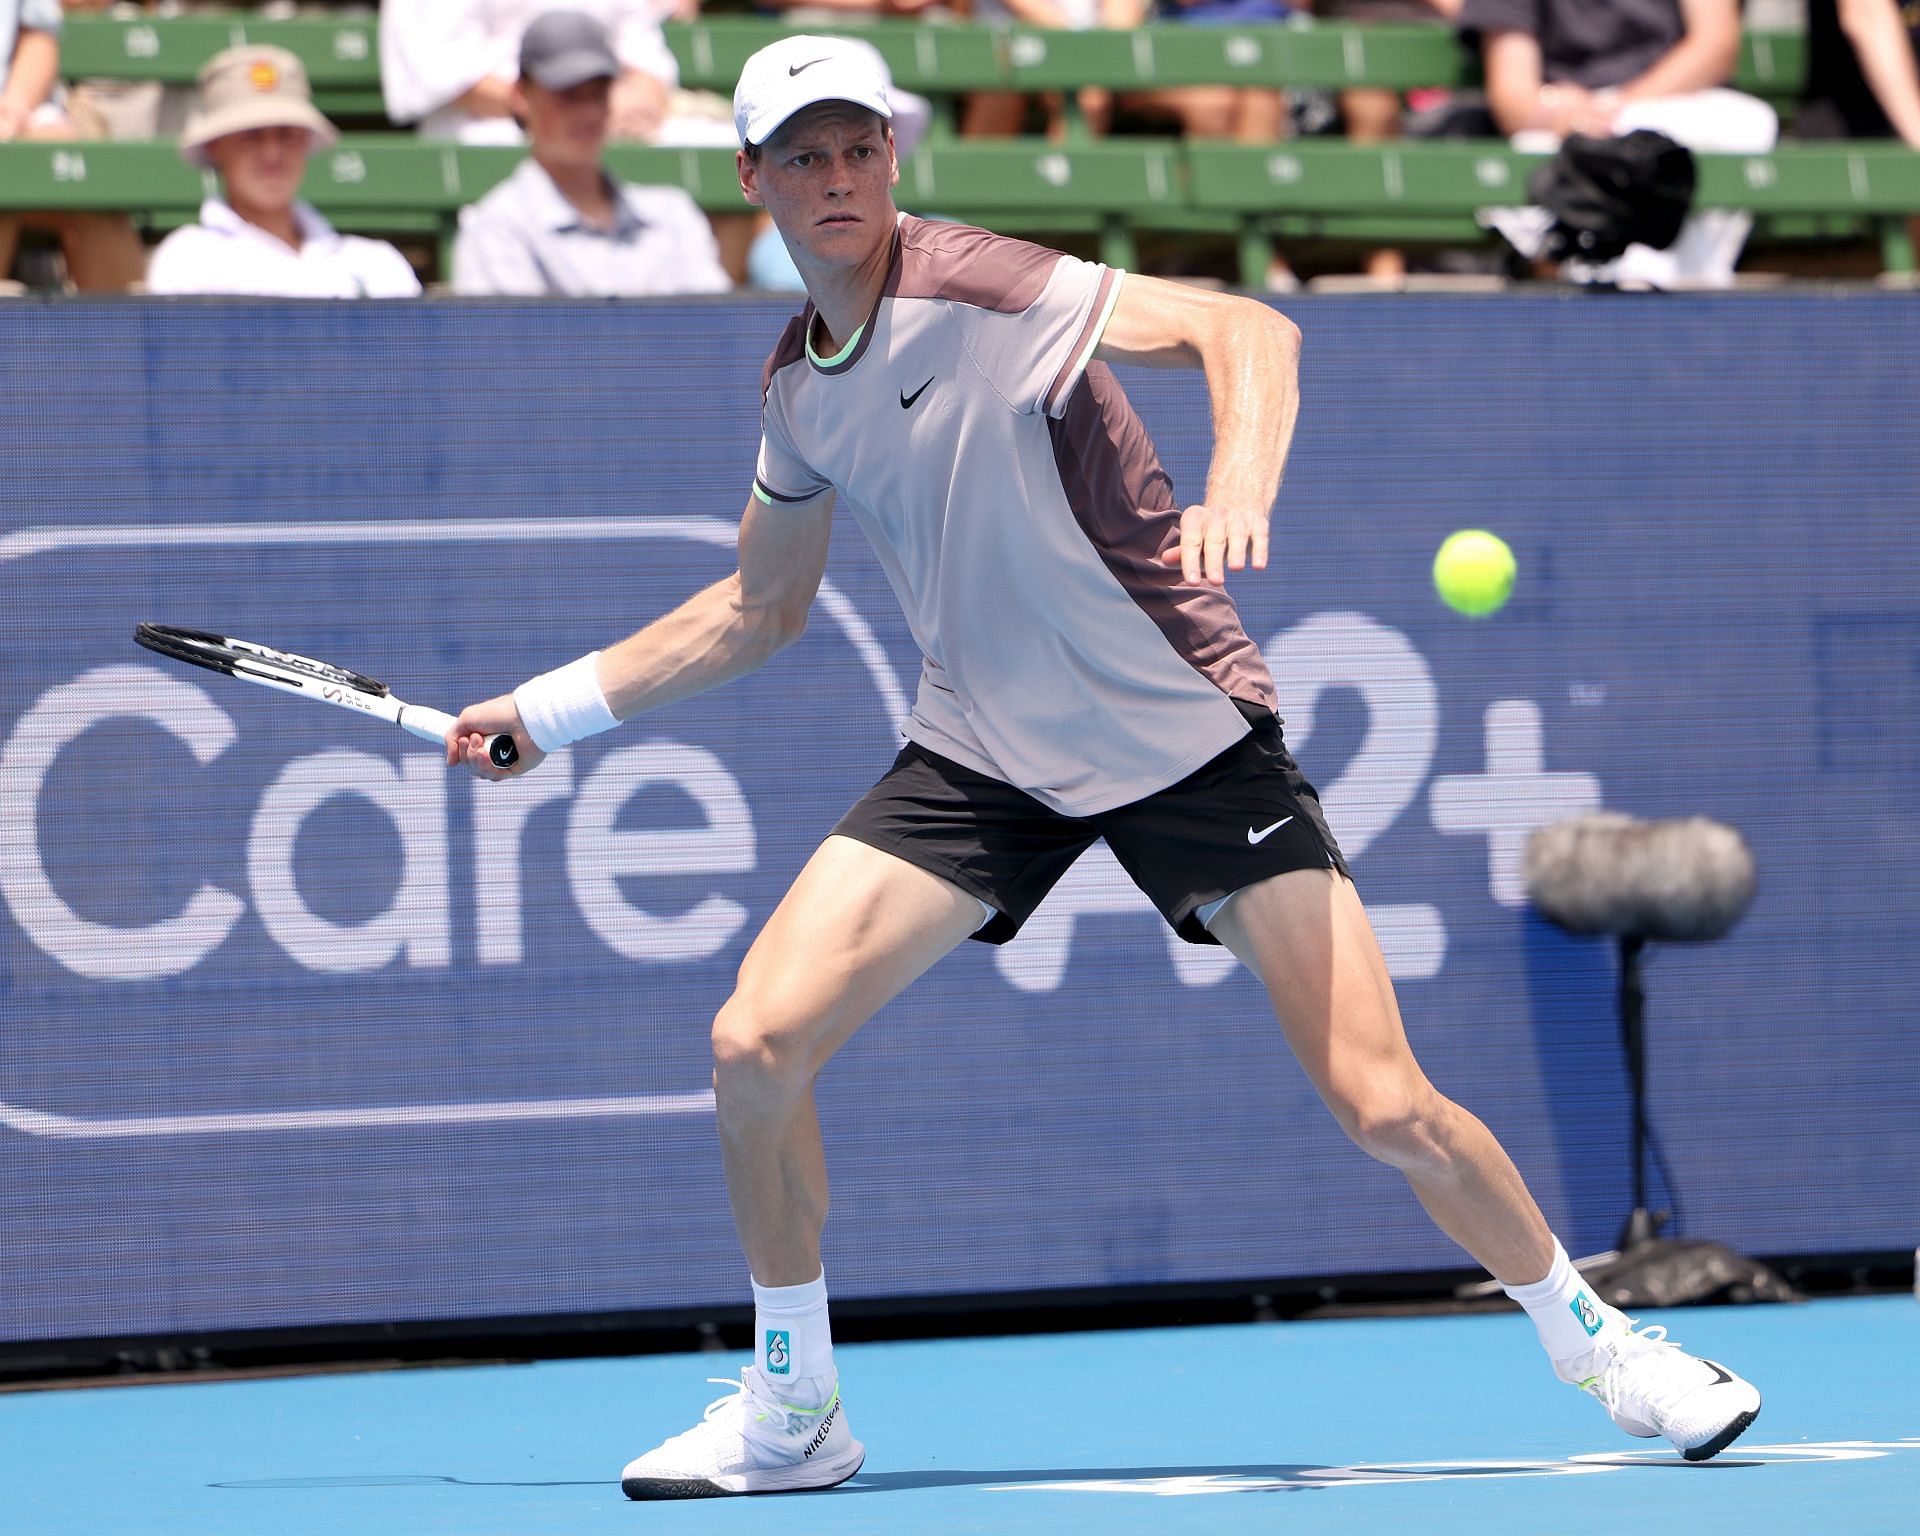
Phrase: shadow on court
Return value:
(1274, 1477)
(1287, 1477)
(406, 1480)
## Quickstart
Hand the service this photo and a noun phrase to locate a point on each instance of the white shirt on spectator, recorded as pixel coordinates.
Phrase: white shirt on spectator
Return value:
(525, 238)
(223, 253)
(433, 51)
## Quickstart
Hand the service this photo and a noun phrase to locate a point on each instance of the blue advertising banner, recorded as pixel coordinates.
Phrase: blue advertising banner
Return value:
(297, 1028)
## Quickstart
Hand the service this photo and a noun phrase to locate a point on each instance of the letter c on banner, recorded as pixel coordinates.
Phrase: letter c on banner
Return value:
(101, 951)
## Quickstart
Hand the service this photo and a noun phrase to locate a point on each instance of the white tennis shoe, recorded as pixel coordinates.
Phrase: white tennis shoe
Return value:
(1652, 1387)
(749, 1442)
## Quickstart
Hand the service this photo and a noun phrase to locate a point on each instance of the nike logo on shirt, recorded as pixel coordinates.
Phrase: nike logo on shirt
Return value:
(1262, 835)
(794, 69)
(906, 400)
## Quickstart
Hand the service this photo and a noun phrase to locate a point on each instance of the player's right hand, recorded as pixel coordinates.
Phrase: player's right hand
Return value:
(466, 742)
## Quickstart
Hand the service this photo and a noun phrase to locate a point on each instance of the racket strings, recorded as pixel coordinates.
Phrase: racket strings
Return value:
(221, 653)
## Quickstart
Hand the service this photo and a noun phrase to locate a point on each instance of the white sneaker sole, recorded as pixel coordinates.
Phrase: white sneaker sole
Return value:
(802, 1477)
(1729, 1432)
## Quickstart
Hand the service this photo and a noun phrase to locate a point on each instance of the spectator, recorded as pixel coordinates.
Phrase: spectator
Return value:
(1863, 81)
(801, 14)
(102, 252)
(998, 114)
(130, 109)
(1607, 67)
(1863, 74)
(450, 66)
(1371, 113)
(255, 124)
(561, 224)
(1253, 116)
(1247, 113)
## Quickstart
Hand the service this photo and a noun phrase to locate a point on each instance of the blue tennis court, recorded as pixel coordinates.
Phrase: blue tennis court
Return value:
(1437, 1424)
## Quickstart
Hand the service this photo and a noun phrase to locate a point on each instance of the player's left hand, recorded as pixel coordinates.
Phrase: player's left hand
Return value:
(1218, 539)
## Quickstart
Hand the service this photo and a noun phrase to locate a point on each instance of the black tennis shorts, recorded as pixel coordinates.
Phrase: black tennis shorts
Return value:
(1247, 814)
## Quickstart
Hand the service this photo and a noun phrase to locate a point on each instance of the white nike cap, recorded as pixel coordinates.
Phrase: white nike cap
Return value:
(799, 71)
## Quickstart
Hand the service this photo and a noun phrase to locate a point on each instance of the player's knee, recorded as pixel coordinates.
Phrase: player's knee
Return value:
(1399, 1127)
(758, 1057)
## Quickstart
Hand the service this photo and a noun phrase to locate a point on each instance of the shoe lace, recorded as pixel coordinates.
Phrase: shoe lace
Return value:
(1656, 1389)
(742, 1399)
(754, 1407)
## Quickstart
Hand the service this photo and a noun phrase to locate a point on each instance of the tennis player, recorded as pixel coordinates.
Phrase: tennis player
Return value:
(1085, 676)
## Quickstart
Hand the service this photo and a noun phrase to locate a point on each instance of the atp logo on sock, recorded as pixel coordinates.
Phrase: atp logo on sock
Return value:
(780, 1352)
(1589, 1315)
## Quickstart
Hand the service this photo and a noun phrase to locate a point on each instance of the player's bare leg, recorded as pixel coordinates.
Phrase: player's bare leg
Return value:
(855, 928)
(1306, 936)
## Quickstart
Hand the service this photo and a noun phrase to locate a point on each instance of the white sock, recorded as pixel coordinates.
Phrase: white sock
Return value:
(793, 1341)
(1568, 1315)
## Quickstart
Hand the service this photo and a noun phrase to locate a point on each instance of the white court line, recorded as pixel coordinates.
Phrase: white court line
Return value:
(1399, 1474)
(38, 1122)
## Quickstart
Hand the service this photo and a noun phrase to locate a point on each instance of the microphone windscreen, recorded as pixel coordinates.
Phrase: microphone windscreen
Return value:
(1605, 873)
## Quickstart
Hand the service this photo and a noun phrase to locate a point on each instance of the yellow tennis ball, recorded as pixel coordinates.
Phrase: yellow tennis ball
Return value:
(1473, 572)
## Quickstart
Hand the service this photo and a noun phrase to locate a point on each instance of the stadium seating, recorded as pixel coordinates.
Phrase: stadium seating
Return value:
(1111, 189)
(343, 58)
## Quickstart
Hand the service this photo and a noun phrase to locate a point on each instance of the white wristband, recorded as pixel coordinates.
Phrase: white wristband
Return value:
(565, 704)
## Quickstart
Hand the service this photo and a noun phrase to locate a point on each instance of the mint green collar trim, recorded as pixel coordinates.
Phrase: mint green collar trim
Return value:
(839, 357)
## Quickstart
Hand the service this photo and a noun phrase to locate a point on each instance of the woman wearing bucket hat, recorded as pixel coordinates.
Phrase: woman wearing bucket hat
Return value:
(254, 124)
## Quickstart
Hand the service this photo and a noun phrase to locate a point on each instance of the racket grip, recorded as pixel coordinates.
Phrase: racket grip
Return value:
(433, 725)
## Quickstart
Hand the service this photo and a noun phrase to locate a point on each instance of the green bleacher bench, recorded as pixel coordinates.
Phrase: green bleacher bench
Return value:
(1269, 56)
(342, 55)
(1448, 176)
(1411, 193)
(1441, 184)
(933, 59)
(388, 184)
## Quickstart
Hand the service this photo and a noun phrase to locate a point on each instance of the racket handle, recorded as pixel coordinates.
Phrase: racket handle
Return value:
(433, 725)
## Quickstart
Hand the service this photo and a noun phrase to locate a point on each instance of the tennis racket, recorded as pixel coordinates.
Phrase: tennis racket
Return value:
(310, 679)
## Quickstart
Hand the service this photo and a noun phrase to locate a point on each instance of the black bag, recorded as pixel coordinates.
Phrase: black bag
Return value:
(1679, 1272)
(1608, 194)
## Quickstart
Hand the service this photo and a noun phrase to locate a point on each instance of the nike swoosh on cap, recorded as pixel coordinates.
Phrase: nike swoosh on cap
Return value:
(794, 69)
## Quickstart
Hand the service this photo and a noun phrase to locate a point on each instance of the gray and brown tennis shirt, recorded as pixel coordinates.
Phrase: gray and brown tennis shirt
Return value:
(1019, 510)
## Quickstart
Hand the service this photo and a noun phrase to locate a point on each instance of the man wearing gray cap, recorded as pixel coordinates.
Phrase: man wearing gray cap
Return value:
(254, 123)
(561, 224)
(1085, 676)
